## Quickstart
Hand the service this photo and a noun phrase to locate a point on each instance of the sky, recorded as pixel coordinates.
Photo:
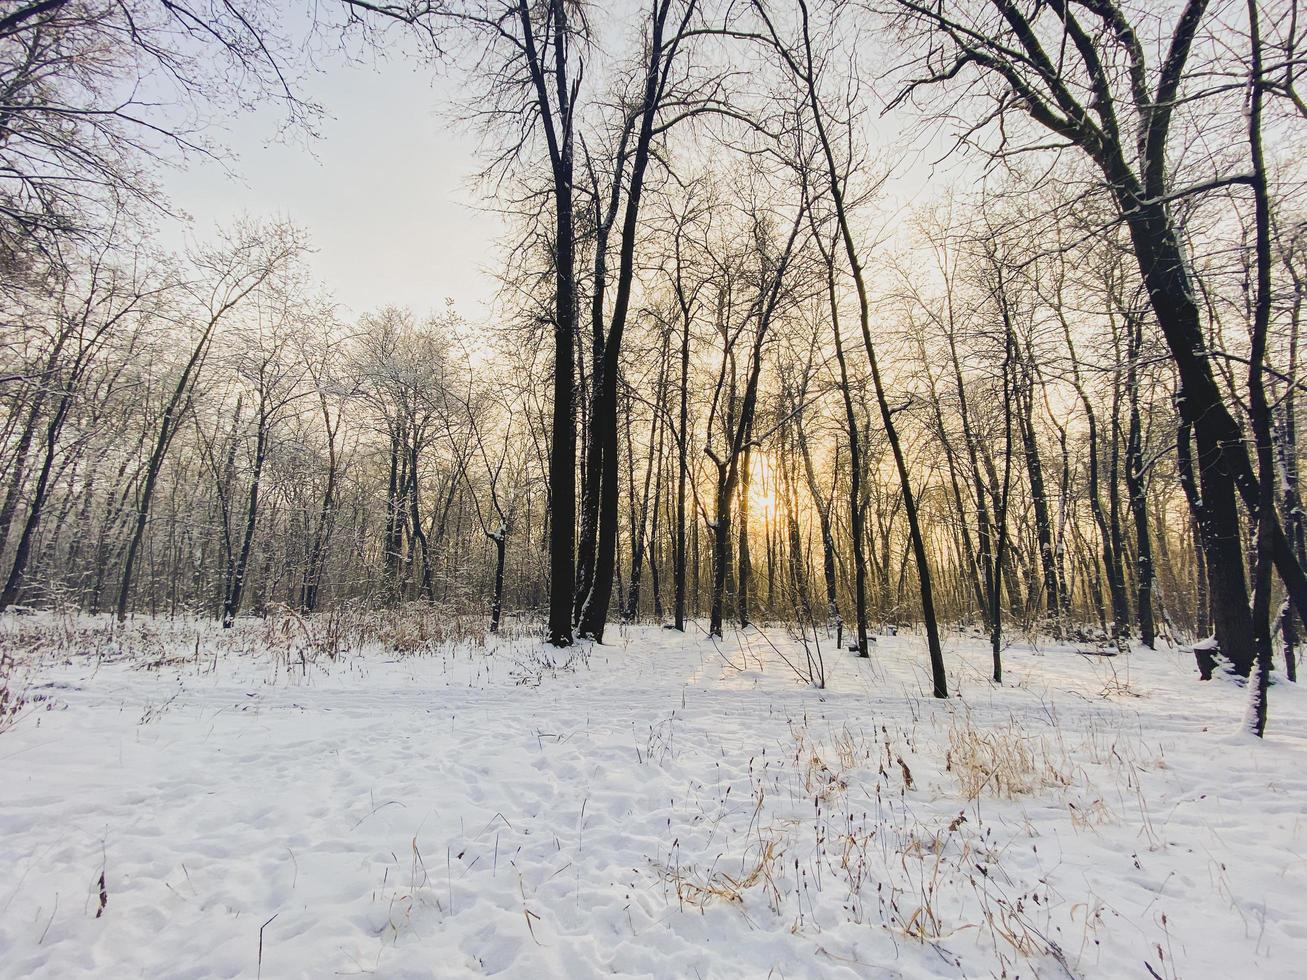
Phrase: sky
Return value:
(384, 192)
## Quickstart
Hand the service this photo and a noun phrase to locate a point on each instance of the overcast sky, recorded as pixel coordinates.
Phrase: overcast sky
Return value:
(384, 193)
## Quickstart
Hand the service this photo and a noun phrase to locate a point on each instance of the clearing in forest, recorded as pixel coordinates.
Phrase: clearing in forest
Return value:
(179, 801)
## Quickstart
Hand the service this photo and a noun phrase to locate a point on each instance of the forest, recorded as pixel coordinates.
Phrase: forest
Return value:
(937, 335)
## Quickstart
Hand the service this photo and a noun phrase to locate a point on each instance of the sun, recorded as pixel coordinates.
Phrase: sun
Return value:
(762, 485)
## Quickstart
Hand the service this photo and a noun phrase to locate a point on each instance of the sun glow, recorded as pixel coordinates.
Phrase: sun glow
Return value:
(763, 477)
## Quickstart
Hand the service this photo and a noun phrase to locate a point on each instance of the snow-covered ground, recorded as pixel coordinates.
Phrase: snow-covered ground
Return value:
(192, 805)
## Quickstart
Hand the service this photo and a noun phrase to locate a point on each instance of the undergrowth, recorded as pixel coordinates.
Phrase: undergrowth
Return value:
(896, 825)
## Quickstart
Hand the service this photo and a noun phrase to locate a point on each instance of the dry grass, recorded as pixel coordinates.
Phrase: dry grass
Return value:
(152, 643)
(409, 630)
(1003, 761)
(844, 812)
(695, 889)
(12, 699)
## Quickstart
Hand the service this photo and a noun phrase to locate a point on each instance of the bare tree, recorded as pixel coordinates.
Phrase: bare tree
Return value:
(227, 276)
(1121, 121)
(87, 88)
(805, 68)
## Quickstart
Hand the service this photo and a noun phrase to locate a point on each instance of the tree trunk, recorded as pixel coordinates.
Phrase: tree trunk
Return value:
(497, 601)
(682, 468)
(23, 551)
(856, 503)
(721, 551)
(1203, 410)
(1054, 597)
(744, 563)
(827, 537)
(1137, 487)
(232, 601)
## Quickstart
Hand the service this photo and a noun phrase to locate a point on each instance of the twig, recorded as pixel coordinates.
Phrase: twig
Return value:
(261, 928)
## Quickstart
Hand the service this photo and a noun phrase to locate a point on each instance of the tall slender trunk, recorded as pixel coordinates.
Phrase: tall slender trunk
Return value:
(315, 564)
(418, 541)
(232, 601)
(798, 577)
(740, 425)
(556, 119)
(660, 52)
(1000, 516)
(682, 472)
(639, 518)
(18, 467)
(1287, 449)
(499, 537)
(1189, 484)
(394, 515)
(23, 551)
(153, 466)
(744, 562)
(1120, 598)
(1221, 456)
(1110, 564)
(827, 536)
(1054, 599)
(856, 500)
(1259, 411)
(984, 526)
(655, 582)
(807, 73)
(1137, 486)
(721, 554)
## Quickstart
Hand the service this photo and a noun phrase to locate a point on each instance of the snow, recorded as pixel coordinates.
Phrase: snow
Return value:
(661, 806)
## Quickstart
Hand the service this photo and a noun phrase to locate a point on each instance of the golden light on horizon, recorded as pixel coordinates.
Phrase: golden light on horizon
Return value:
(762, 485)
